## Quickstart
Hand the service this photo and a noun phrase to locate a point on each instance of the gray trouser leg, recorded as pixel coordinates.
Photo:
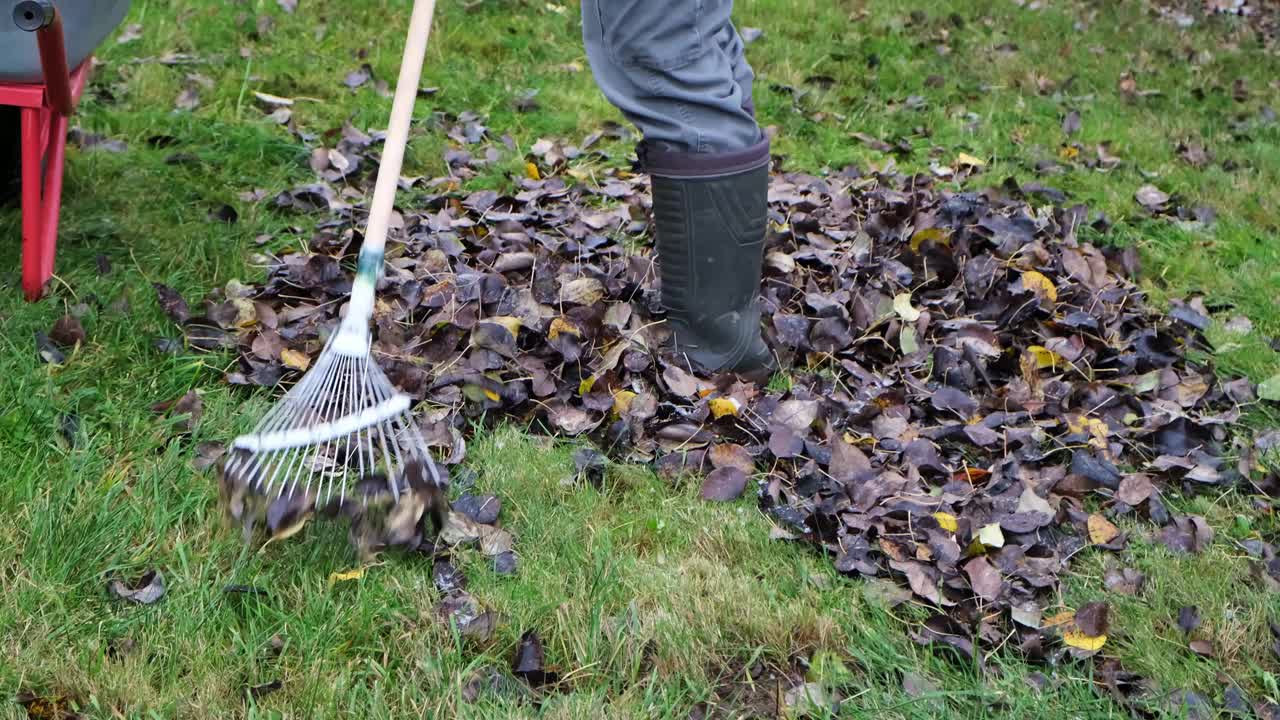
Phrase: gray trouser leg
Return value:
(676, 69)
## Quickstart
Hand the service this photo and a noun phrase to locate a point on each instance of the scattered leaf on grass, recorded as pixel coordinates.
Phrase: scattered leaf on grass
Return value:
(1188, 618)
(1082, 641)
(1125, 582)
(48, 351)
(1093, 619)
(529, 662)
(146, 590)
(346, 575)
(67, 332)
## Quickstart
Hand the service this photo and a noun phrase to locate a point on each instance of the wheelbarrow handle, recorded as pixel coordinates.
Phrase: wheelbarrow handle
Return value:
(41, 17)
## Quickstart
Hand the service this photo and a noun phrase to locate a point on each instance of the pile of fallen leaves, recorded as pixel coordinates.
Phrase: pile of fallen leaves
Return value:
(971, 394)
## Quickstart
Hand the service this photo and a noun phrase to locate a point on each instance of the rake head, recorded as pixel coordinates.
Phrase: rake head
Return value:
(343, 434)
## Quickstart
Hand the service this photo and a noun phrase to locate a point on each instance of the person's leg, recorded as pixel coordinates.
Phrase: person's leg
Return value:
(675, 68)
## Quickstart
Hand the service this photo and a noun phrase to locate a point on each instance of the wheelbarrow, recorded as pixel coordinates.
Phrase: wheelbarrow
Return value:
(45, 58)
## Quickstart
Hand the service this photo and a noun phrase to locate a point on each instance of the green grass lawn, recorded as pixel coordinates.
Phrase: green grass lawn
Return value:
(650, 602)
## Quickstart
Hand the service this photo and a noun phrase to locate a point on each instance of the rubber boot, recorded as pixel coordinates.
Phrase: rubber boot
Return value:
(711, 211)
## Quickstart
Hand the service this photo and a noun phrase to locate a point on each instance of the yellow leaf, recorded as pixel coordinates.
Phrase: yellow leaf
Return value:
(512, 324)
(937, 235)
(724, 406)
(1063, 618)
(1045, 358)
(531, 171)
(622, 401)
(294, 359)
(1069, 152)
(1042, 286)
(1095, 428)
(1101, 531)
(971, 161)
(560, 325)
(1077, 639)
(337, 577)
(492, 395)
(946, 521)
(991, 536)
(902, 305)
(587, 383)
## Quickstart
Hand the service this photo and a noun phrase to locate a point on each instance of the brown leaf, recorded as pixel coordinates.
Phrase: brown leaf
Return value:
(67, 332)
(1134, 489)
(984, 578)
(1203, 648)
(724, 484)
(1093, 619)
(732, 455)
(847, 461)
(1126, 582)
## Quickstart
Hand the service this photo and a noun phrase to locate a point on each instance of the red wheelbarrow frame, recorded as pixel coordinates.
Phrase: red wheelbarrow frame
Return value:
(45, 109)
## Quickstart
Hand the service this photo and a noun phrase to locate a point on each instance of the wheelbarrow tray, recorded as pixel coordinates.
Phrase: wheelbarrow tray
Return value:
(85, 24)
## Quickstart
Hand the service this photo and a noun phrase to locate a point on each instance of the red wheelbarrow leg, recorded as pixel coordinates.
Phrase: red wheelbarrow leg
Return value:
(33, 278)
(57, 150)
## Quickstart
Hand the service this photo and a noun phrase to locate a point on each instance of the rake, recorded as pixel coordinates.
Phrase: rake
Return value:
(344, 430)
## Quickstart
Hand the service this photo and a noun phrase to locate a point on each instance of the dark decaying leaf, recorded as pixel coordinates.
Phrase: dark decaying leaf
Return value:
(464, 613)
(259, 691)
(1188, 618)
(172, 303)
(185, 411)
(144, 590)
(506, 563)
(529, 662)
(1187, 535)
(483, 509)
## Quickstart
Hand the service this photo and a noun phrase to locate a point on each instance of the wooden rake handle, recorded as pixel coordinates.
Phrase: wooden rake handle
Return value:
(355, 326)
